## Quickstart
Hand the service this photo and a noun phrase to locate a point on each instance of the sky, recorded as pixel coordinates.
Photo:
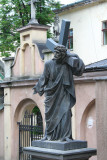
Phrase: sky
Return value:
(67, 1)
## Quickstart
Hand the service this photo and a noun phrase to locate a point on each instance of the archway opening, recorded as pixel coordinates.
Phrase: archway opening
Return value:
(30, 125)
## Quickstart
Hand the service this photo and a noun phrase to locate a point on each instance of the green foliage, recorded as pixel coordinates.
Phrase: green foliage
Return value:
(35, 110)
(15, 14)
(38, 130)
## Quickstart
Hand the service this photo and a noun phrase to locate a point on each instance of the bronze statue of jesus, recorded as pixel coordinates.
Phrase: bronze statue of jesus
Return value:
(57, 84)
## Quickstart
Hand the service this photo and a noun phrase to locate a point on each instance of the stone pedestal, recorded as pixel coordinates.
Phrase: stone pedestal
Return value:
(58, 145)
(56, 150)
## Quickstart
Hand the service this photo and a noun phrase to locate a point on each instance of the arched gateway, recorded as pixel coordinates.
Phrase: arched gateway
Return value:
(30, 124)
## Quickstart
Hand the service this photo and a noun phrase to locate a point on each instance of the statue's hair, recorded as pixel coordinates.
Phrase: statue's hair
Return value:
(60, 48)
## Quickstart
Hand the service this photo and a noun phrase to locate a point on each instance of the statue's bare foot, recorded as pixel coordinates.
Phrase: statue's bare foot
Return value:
(63, 139)
(44, 138)
(68, 139)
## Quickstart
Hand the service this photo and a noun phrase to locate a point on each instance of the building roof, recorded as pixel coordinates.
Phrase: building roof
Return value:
(97, 66)
(41, 47)
(76, 4)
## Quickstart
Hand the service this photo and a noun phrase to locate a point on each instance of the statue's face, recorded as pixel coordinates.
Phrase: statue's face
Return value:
(59, 54)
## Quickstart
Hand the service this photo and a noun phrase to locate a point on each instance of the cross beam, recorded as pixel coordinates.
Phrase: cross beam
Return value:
(33, 11)
(51, 44)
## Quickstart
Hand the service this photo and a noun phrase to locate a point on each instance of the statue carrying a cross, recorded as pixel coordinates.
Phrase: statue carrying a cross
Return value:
(57, 84)
(33, 19)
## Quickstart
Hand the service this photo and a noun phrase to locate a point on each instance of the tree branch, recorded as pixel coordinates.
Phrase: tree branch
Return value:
(25, 10)
(21, 15)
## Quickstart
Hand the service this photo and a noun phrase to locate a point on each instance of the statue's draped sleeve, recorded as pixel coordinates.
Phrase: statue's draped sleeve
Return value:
(39, 87)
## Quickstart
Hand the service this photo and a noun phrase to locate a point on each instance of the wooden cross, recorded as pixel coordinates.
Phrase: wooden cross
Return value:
(33, 11)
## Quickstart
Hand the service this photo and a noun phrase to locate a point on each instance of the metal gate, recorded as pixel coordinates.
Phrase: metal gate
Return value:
(30, 128)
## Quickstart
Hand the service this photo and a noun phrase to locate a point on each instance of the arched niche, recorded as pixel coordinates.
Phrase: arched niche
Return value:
(88, 125)
(24, 46)
(27, 59)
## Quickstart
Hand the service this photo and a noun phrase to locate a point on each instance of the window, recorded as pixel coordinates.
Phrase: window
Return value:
(104, 29)
(70, 39)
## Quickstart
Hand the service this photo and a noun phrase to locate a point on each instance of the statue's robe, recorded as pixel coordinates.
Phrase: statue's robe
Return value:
(58, 85)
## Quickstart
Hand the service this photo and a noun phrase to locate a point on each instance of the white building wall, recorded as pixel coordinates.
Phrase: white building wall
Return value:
(87, 31)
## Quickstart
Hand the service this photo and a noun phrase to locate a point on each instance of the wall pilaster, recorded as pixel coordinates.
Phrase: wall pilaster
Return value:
(7, 125)
(101, 121)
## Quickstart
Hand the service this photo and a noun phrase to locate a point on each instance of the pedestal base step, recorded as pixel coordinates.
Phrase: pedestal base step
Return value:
(58, 145)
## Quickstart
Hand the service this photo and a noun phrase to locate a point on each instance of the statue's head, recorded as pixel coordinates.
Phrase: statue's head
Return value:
(60, 52)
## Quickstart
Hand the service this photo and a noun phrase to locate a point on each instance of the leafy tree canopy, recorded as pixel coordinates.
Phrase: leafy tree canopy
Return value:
(15, 14)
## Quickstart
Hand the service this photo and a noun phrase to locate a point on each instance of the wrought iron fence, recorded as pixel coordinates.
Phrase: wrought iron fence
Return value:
(30, 128)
